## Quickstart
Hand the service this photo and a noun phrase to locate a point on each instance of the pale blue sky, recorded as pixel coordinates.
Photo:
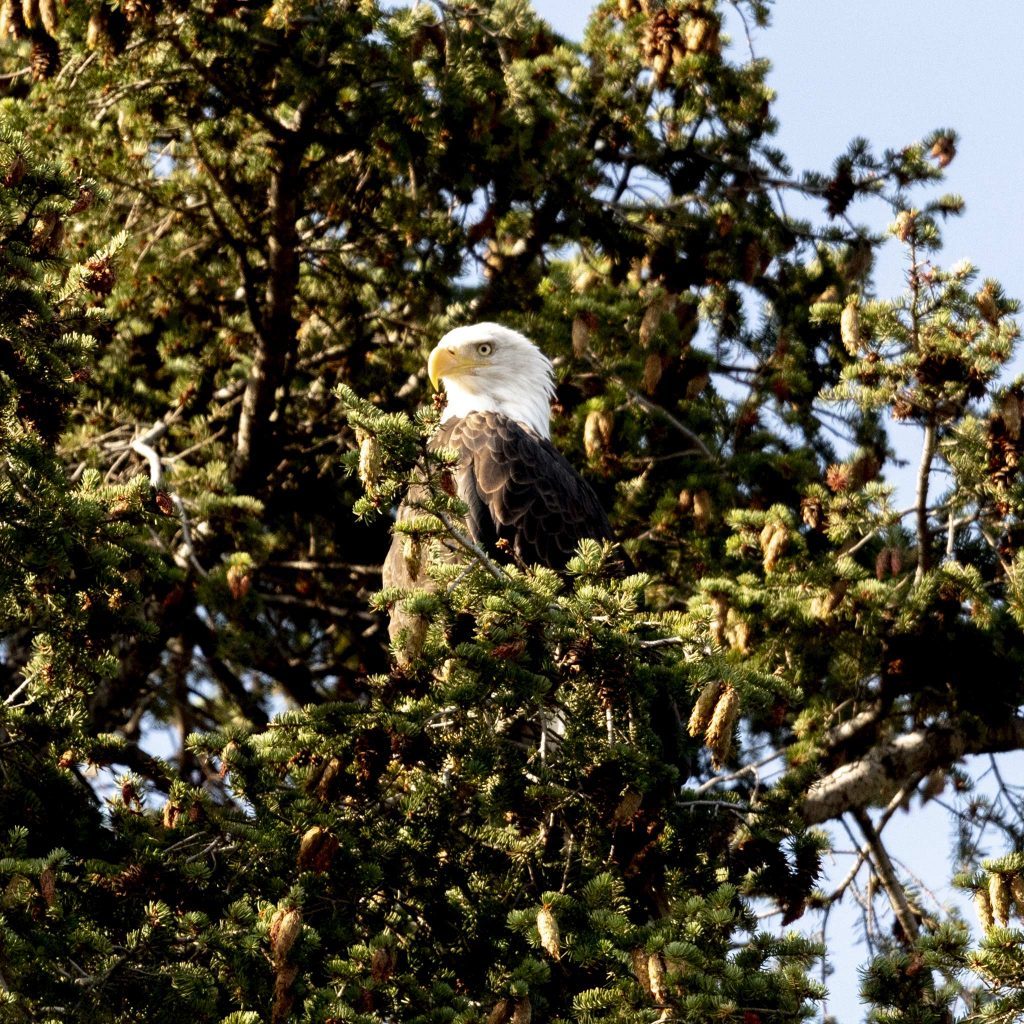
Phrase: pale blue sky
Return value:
(892, 72)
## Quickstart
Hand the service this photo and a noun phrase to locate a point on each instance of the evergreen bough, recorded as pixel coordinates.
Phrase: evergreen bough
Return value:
(588, 795)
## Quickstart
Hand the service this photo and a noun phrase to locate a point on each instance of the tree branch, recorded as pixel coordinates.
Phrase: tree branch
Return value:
(648, 406)
(276, 330)
(862, 854)
(888, 765)
(887, 876)
(921, 501)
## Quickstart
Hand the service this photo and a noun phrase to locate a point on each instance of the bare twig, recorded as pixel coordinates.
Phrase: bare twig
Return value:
(13, 696)
(292, 600)
(740, 810)
(143, 446)
(648, 406)
(474, 549)
(887, 876)
(862, 854)
(746, 28)
(894, 517)
(747, 769)
(921, 501)
(662, 641)
(156, 469)
(570, 844)
(327, 565)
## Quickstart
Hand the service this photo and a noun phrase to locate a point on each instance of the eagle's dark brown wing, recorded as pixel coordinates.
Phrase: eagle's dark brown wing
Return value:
(521, 489)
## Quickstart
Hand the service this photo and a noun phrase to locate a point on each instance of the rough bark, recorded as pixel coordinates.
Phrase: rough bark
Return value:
(890, 764)
(276, 328)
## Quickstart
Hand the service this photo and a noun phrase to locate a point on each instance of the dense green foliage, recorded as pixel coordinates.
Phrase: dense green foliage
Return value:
(230, 232)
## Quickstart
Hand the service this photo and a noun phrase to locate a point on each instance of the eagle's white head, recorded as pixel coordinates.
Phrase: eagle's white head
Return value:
(490, 368)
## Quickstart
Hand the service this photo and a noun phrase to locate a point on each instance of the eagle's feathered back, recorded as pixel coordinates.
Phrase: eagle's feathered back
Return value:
(525, 500)
(521, 490)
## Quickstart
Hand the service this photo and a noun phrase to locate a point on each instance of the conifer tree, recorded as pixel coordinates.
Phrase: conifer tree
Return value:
(579, 799)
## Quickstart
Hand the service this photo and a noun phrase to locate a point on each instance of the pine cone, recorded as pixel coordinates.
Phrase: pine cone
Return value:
(849, 327)
(720, 606)
(100, 276)
(943, 150)
(656, 977)
(696, 384)
(412, 553)
(839, 192)
(902, 407)
(906, 221)
(171, 815)
(13, 20)
(382, 964)
(48, 234)
(48, 885)
(702, 510)
(774, 540)
(523, 1012)
(96, 35)
(284, 978)
(597, 433)
(583, 325)
(651, 321)
(369, 463)
(988, 305)
(1017, 888)
(700, 33)
(627, 807)
(737, 632)
(45, 60)
(812, 512)
(999, 898)
(661, 43)
(86, 197)
(1003, 453)
(239, 581)
(882, 564)
(719, 732)
(138, 10)
(328, 783)
(501, 1012)
(700, 716)
(640, 969)
(754, 260)
(285, 926)
(316, 849)
(654, 367)
(547, 927)
(983, 905)
(15, 172)
(49, 16)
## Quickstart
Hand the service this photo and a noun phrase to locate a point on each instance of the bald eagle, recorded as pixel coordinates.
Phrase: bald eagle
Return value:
(524, 498)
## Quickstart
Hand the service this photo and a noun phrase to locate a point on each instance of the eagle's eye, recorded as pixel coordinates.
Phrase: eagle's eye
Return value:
(484, 348)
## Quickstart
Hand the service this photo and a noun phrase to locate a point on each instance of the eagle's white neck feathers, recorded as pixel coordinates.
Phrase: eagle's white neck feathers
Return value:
(489, 368)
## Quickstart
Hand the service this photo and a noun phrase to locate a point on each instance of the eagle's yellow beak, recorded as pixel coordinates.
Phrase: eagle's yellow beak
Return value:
(441, 363)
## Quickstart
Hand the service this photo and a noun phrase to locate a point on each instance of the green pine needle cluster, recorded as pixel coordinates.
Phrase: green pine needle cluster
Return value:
(230, 233)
